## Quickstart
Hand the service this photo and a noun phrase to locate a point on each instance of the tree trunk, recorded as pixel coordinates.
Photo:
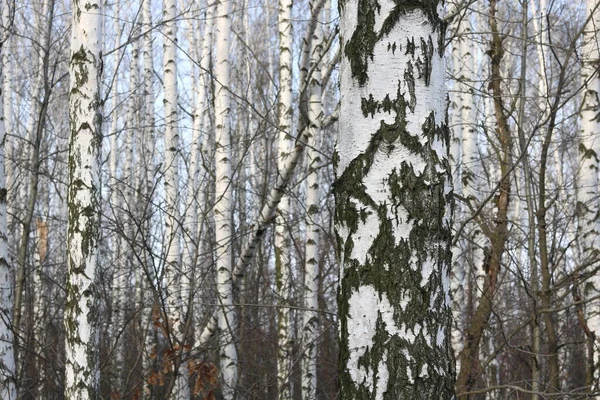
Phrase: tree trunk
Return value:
(310, 320)
(223, 205)
(7, 356)
(172, 277)
(393, 204)
(589, 148)
(81, 313)
(145, 276)
(283, 259)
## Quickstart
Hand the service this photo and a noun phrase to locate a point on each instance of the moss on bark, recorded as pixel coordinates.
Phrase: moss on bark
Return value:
(419, 201)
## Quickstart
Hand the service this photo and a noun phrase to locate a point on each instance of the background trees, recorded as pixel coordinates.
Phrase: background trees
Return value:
(522, 86)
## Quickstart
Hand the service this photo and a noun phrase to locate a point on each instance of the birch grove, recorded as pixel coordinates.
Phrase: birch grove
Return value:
(273, 199)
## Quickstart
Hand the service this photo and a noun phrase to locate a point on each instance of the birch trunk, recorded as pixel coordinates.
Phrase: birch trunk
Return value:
(40, 301)
(116, 207)
(393, 204)
(466, 180)
(282, 241)
(172, 235)
(147, 141)
(81, 313)
(589, 148)
(7, 356)
(7, 89)
(223, 204)
(310, 321)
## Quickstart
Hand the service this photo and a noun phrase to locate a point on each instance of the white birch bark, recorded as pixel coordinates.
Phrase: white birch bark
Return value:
(172, 234)
(393, 196)
(223, 204)
(270, 61)
(455, 115)
(147, 141)
(467, 183)
(310, 321)
(283, 260)
(7, 357)
(459, 275)
(470, 151)
(149, 137)
(589, 148)
(7, 89)
(116, 207)
(81, 312)
(40, 300)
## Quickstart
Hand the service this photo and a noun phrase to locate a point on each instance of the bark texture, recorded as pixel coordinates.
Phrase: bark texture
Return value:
(282, 232)
(7, 356)
(310, 316)
(223, 205)
(393, 204)
(81, 313)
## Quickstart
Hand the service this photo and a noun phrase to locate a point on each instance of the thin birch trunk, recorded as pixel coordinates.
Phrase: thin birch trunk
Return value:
(461, 146)
(145, 277)
(40, 303)
(115, 203)
(283, 260)
(81, 312)
(7, 89)
(310, 320)
(172, 278)
(8, 389)
(223, 204)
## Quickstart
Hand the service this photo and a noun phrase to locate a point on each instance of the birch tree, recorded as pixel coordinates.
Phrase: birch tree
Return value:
(146, 184)
(223, 204)
(171, 166)
(282, 240)
(81, 313)
(7, 357)
(393, 204)
(311, 270)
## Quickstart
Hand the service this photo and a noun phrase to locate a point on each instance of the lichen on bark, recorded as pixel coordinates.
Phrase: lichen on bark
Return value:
(81, 311)
(393, 204)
